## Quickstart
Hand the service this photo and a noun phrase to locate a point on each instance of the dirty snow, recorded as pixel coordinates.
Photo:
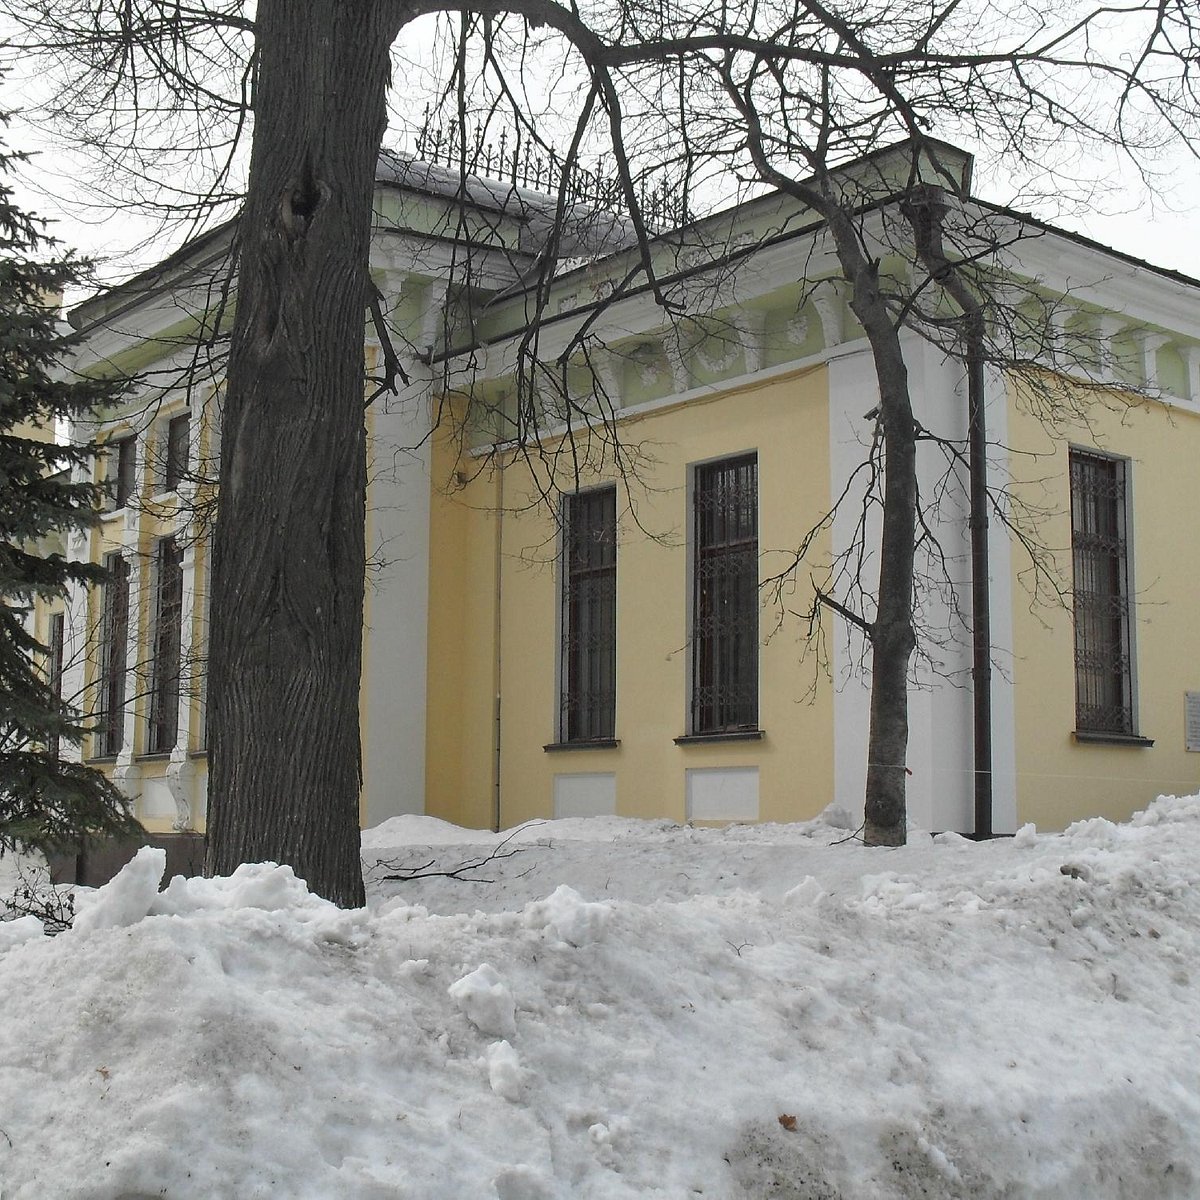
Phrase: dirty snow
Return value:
(610, 1008)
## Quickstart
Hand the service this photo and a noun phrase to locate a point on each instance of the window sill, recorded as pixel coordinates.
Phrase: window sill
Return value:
(101, 760)
(732, 735)
(1096, 737)
(201, 753)
(153, 756)
(597, 744)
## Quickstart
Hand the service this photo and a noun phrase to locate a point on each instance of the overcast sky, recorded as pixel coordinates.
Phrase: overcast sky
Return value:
(1161, 228)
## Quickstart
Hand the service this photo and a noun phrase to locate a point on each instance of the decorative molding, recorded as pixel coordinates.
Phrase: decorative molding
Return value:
(828, 300)
(646, 359)
(181, 776)
(605, 394)
(730, 349)
(674, 351)
(1111, 326)
(798, 328)
(127, 774)
(1191, 359)
(751, 324)
(1151, 344)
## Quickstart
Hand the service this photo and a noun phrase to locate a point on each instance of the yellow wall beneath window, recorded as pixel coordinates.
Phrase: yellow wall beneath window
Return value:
(1059, 779)
(786, 421)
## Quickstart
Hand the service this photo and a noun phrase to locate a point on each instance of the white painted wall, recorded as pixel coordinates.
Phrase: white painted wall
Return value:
(396, 627)
(940, 758)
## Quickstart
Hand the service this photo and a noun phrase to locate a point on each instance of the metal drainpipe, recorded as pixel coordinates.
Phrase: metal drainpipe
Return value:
(981, 612)
(926, 210)
(496, 632)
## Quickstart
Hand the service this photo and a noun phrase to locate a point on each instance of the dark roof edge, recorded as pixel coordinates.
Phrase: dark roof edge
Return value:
(190, 254)
(1083, 240)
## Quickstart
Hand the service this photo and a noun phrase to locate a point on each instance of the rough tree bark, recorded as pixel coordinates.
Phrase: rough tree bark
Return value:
(289, 557)
(891, 632)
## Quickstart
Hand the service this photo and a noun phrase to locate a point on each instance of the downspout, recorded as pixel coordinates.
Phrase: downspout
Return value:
(497, 662)
(981, 603)
(925, 213)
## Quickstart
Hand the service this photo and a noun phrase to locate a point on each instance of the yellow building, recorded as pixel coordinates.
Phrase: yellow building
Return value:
(594, 551)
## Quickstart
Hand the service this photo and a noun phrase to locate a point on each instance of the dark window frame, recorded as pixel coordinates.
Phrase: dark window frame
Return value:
(121, 471)
(55, 662)
(588, 617)
(1105, 702)
(176, 446)
(165, 666)
(114, 648)
(724, 597)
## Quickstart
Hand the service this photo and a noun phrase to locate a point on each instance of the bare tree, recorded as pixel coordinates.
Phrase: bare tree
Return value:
(776, 94)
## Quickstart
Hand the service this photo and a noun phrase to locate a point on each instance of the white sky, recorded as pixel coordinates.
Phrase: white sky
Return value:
(1161, 227)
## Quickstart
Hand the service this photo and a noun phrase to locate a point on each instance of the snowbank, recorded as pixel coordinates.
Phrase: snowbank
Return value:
(744, 1013)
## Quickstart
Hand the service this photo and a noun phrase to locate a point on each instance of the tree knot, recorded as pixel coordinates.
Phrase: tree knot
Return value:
(300, 203)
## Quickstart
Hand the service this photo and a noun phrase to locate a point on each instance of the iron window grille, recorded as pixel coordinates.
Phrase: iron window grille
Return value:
(121, 472)
(110, 735)
(175, 457)
(588, 690)
(1100, 558)
(725, 596)
(164, 675)
(54, 668)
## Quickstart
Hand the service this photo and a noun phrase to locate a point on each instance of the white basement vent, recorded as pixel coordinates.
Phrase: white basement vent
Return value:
(590, 794)
(722, 794)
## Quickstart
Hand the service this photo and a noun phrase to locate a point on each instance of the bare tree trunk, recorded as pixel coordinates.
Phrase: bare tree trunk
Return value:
(289, 558)
(891, 632)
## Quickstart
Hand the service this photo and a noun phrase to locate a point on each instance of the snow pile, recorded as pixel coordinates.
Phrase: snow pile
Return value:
(566, 915)
(653, 1011)
(485, 1001)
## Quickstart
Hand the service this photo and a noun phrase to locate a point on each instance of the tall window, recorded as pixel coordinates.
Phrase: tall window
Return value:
(121, 471)
(175, 453)
(54, 666)
(725, 596)
(1100, 552)
(114, 635)
(164, 674)
(588, 691)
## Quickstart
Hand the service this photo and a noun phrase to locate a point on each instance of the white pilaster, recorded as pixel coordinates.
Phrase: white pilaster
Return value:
(181, 771)
(1151, 344)
(127, 774)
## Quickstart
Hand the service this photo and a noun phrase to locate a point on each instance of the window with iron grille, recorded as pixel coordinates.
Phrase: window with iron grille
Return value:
(164, 672)
(588, 688)
(121, 471)
(114, 634)
(1100, 554)
(725, 596)
(175, 454)
(54, 666)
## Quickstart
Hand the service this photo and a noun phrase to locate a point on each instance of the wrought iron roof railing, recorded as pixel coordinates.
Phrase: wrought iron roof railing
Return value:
(525, 162)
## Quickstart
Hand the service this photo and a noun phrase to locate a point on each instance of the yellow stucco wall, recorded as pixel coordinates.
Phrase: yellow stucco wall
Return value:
(777, 419)
(1058, 778)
